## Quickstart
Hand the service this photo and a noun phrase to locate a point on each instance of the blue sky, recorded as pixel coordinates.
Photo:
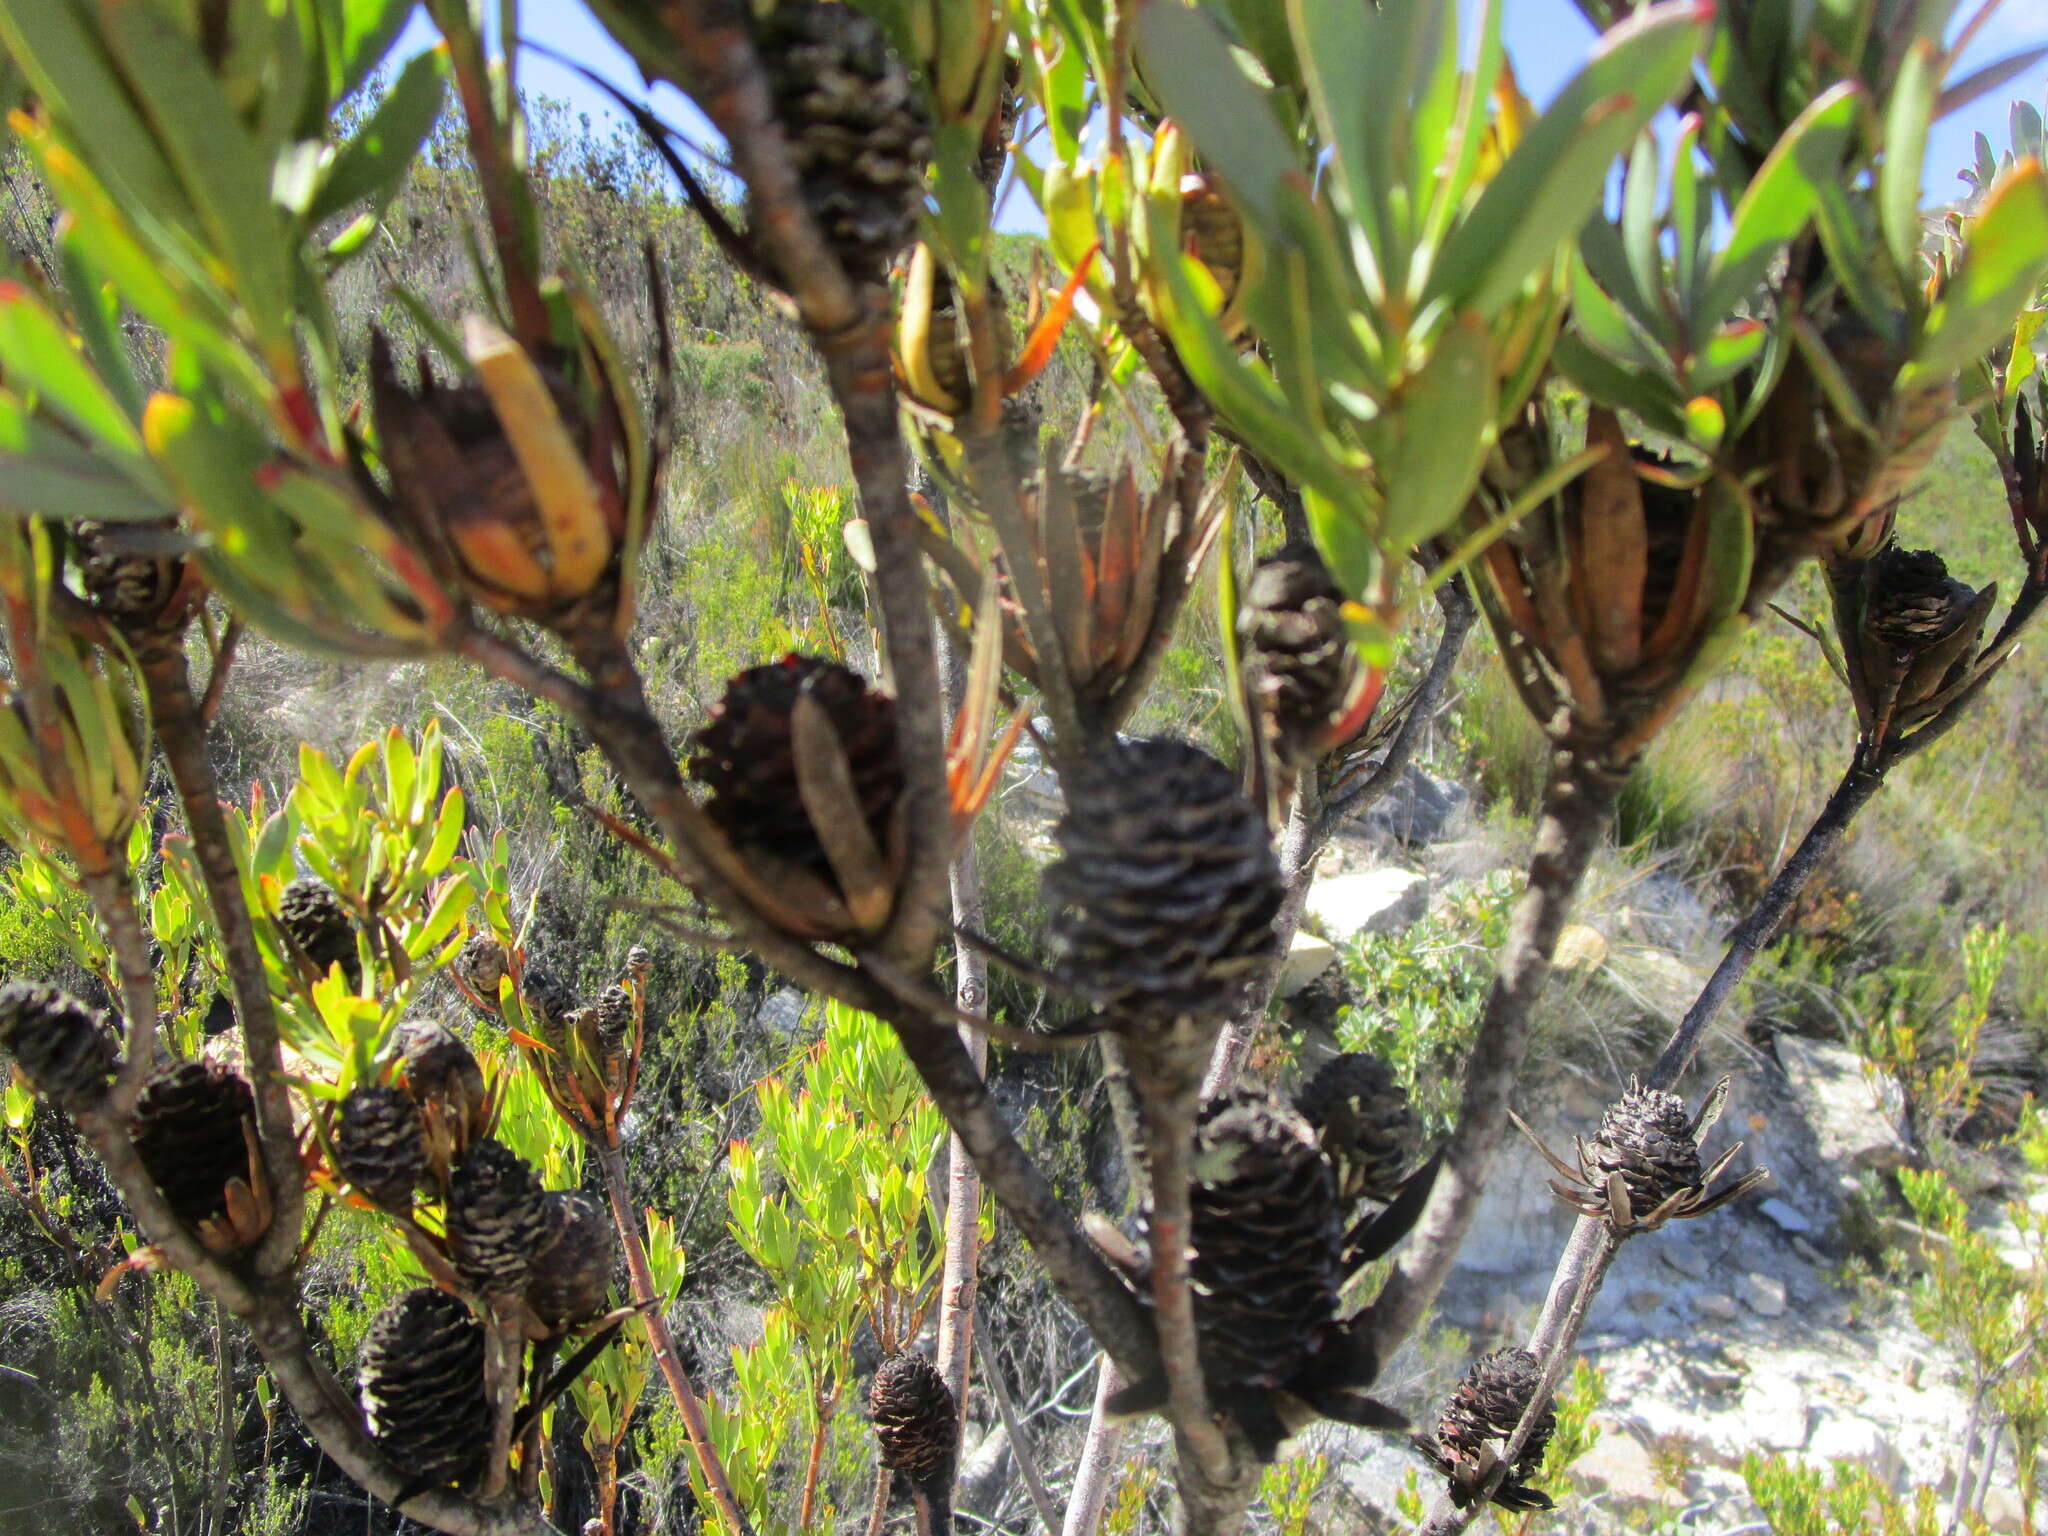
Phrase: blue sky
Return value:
(1546, 39)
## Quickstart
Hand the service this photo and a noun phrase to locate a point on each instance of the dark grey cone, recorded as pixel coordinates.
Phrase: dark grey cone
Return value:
(1166, 888)
(67, 1051)
(421, 1384)
(497, 1220)
(570, 1277)
(380, 1146)
(319, 924)
(188, 1128)
(1367, 1127)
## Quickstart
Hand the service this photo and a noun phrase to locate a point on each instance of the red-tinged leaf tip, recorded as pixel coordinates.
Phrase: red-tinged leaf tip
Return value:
(11, 291)
(268, 475)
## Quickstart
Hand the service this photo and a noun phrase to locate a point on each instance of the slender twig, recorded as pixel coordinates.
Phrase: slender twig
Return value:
(1577, 808)
(1013, 1427)
(958, 1276)
(223, 667)
(878, 1511)
(612, 1167)
(1756, 930)
(1092, 1476)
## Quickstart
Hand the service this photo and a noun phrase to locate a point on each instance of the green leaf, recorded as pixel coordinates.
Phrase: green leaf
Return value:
(37, 351)
(1908, 116)
(1442, 430)
(58, 48)
(43, 471)
(1778, 202)
(218, 163)
(1639, 226)
(1616, 384)
(96, 311)
(1553, 180)
(2003, 265)
(1210, 96)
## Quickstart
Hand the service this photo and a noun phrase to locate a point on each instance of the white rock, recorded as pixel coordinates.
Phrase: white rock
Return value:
(1778, 1419)
(781, 1011)
(1762, 1294)
(1374, 901)
(1845, 1437)
(1787, 1218)
(1307, 958)
(1621, 1466)
(1042, 785)
(1580, 948)
(1855, 1113)
(1717, 1305)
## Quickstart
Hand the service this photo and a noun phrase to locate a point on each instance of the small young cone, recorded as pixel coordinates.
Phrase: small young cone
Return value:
(480, 963)
(421, 1382)
(67, 1051)
(319, 924)
(1646, 1137)
(1297, 665)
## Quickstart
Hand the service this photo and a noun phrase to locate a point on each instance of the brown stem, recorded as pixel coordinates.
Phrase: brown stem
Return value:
(849, 325)
(1167, 1107)
(1577, 808)
(1312, 821)
(814, 1463)
(504, 1350)
(878, 1511)
(613, 1167)
(181, 731)
(114, 901)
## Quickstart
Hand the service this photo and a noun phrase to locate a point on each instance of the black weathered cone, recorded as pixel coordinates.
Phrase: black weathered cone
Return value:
(1166, 887)
(745, 755)
(439, 1072)
(1297, 659)
(858, 131)
(188, 1128)
(67, 1051)
(917, 1423)
(422, 1387)
(1480, 1415)
(1646, 1137)
(1267, 1237)
(573, 1271)
(318, 923)
(380, 1146)
(481, 965)
(497, 1220)
(1910, 600)
(1367, 1127)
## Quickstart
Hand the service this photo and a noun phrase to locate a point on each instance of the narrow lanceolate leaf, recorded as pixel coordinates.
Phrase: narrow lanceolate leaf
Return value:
(1203, 89)
(555, 472)
(37, 351)
(1444, 424)
(1906, 122)
(1615, 547)
(44, 471)
(217, 163)
(1780, 199)
(2003, 266)
(373, 164)
(1553, 180)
